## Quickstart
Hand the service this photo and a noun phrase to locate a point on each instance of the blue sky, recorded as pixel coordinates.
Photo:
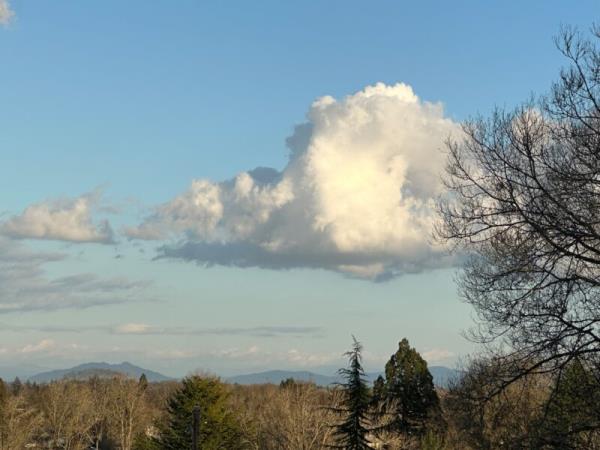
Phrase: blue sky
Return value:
(122, 105)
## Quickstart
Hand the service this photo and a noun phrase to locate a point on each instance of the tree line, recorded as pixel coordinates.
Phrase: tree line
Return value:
(112, 413)
(401, 410)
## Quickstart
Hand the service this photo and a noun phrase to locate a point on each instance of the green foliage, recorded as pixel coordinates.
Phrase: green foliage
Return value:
(287, 383)
(409, 390)
(219, 428)
(352, 432)
(378, 390)
(432, 441)
(143, 382)
(573, 409)
(143, 442)
(16, 386)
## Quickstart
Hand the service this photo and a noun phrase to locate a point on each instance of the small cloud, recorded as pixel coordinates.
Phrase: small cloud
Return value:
(173, 354)
(235, 353)
(133, 328)
(437, 355)
(68, 220)
(300, 358)
(6, 13)
(43, 345)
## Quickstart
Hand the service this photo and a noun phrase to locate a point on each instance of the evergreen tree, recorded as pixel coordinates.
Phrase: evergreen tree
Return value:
(378, 390)
(16, 386)
(143, 382)
(573, 409)
(409, 391)
(218, 427)
(287, 383)
(351, 433)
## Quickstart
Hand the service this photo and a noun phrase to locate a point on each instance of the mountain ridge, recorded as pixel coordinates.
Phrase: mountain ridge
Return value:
(101, 369)
(441, 375)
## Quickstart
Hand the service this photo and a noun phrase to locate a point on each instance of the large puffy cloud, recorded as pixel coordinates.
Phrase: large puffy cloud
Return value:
(24, 285)
(6, 13)
(64, 220)
(357, 195)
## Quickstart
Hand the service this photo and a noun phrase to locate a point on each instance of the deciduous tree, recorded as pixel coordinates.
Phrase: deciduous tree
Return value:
(524, 207)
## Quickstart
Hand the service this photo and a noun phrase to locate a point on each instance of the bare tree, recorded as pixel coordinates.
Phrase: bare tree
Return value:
(511, 419)
(99, 390)
(293, 416)
(67, 411)
(127, 410)
(19, 423)
(524, 207)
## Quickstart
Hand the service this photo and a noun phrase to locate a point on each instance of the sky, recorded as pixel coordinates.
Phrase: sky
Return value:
(240, 186)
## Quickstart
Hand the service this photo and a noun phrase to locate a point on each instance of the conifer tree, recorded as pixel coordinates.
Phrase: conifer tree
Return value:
(573, 410)
(16, 386)
(351, 433)
(378, 390)
(409, 390)
(143, 382)
(219, 428)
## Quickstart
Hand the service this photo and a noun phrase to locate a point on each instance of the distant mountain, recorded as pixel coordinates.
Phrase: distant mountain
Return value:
(277, 376)
(23, 371)
(441, 376)
(99, 369)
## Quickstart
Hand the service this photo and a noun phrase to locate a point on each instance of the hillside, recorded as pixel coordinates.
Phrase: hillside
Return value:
(99, 369)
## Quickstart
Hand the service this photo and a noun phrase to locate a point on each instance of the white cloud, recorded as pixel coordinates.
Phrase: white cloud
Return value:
(43, 345)
(357, 195)
(438, 355)
(236, 353)
(64, 220)
(304, 359)
(292, 357)
(6, 13)
(133, 328)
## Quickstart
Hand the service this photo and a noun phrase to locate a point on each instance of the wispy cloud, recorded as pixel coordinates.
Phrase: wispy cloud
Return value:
(438, 355)
(41, 346)
(261, 331)
(24, 285)
(68, 220)
(256, 355)
(136, 328)
(357, 195)
(59, 353)
(6, 13)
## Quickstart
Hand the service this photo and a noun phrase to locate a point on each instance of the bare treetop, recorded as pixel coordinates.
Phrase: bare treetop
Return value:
(524, 204)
